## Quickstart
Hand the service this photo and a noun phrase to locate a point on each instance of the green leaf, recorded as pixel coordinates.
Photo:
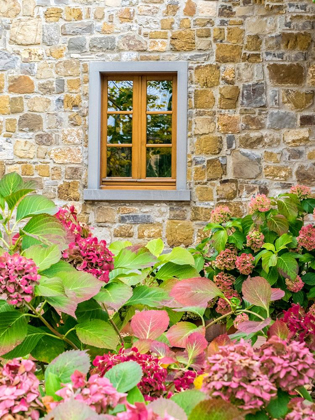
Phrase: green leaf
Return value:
(219, 240)
(64, 366)
(97, 334)
(237, 238)
(309, 278)
(271, 277)
(269, 247)
(57, 268)
(278, 223)
(90, 310)
(150, 296)
(169, 270)
(247, 223)
(134, 395)
(278, 407)
(305, 394)
(29, 343)
(117, 246)
(43, 228)
(287, 266)
(80, 286)
(10, 183)
(43, 257)
(308, 205)
(49, 287)
(114, 295)
(156, 247)
(179, 256)
(34, 205)
(188, 400)
(260, 415)
(15, 197)
(134, 260)
(52, 385)
(311, 293)
(72, 410)
(215, 410)
(298, 297)
(13, 330)
(47, 349)
(265, 261)
(288, 208)
(283, 241)
(125, 376)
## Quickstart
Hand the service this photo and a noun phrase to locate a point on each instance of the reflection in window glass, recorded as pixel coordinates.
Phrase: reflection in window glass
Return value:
(159, 95)
(159, 129)
(119, 161)
(119, 129)
(120, 95)
(159, 162)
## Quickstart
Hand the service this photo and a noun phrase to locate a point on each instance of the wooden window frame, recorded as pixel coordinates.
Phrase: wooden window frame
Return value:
(139, 112)
(95, 191)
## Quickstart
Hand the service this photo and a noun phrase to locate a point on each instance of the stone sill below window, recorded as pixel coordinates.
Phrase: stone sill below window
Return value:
(136, 195)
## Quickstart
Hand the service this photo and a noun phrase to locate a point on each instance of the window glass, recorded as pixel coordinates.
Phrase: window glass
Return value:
(159, 129)
(159, 162)
(119, 161)
(119, 129)
(120, 95)
(159, 95)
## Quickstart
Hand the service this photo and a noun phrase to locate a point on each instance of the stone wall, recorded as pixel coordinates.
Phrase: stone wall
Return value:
(251, 99)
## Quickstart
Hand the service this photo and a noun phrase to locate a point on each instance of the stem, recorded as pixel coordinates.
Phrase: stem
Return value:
(219, 319)
(253, 313)
(114, 325)
(5, 243)
(57, 333)
(68, 332)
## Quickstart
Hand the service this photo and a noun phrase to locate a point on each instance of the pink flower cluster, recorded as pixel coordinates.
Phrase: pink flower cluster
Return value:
(18, 276)
(221, 214)
(234, 374)
(259, 203)
(288, 365)
(68, 217)
(92, 256)
(184, 380)
(294, 285)
(98, 393)
(152, 384)
(226, 259)
(225, 283)
(139, 411)
(301, 325)
(255, 240)
(19, 391)
(306, 237)
(239, 319)
(301, 191)
(245, 263)
(301, 410)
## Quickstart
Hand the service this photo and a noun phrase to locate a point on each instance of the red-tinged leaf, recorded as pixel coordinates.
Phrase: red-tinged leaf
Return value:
(143, 346)
(221, 340)
(276, 294)
(164, 406)
(177, 335)
(249, 327)
(216, 410)
(163, 352)
(257, 291)
(259, 342)
(196, 344)
(280, 329)
(195, 292)
(149, 324)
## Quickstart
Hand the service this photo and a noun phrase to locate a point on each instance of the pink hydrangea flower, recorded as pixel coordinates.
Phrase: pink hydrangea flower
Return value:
(289, 365)
(140, 411)
(92, 256)
(301, 410)
(224, 281)
(69, 218)
(245, 263)
(301, 325)
(221, 214)
(18, 276)
(239, 319)
(311, 310)
(259, 203)
(255, 240)
(234, 374)
(223, 307)
(19, 389)
(98, 393)
(152, 384)
(226, 259)
(306, 237)
(184, 380)
(301, 191)
(294, 285)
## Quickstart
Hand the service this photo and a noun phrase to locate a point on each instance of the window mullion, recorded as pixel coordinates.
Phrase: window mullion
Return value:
(143, 138)
(136, 127)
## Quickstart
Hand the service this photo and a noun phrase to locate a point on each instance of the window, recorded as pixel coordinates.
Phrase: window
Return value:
(137, 149)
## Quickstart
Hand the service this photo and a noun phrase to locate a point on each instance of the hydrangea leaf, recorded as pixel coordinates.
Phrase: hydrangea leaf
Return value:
(178, 334)
(80, 286)
(149, 296)
(125, 376)
(127, 258)
(257, 291)
(187, 400)
(28, 344)
(114, 295)
(149, 324)
(179, 256)
(215, 410)
(13, 330)
(45, 229)
(280, 329)
(287, 266)
(155, 246)
(195, 292)
(278, 407)
(276, 294)
(250, 327)
(195, 345)
(169, 270)
(72, 410)
(278, 223)
(98, 333)
(162, 407)
(43, 257)
(33, 205)
(10, 183)
(48, 348)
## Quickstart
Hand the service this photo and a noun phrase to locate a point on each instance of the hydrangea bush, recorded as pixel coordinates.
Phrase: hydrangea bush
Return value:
(143, 315)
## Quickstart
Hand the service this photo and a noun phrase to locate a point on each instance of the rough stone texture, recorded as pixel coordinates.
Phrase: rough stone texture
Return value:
(251, 122)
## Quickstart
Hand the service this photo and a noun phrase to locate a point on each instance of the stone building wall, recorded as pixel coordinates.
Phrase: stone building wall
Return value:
(251, 99)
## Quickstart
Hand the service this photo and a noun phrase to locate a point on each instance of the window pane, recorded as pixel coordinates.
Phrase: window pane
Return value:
(159, 95)
(159, 162)
(159, 129)
(118, 161)
(119, 129)
(120, 95)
